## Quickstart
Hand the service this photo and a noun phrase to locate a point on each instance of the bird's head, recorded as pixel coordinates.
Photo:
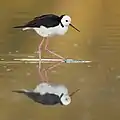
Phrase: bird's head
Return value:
(65, 100)
(66, 21)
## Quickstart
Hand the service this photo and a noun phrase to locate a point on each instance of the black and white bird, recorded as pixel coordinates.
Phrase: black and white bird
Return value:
(49, 25)
(49, 94)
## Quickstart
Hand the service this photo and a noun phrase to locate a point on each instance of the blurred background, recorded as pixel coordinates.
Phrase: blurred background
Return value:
(98, 41)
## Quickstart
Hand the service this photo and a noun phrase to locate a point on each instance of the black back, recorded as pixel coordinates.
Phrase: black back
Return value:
(48, 20)
(46, 99)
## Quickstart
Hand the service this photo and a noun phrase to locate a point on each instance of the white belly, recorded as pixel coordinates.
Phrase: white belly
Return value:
(43, 88)
(50, 32)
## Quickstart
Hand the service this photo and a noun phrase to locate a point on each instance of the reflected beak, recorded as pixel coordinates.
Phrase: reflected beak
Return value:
(74, 27)
(74, 92)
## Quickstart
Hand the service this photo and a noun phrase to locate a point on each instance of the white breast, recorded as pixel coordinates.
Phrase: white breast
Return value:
(51, 88)
(62, 30)
(52, 31)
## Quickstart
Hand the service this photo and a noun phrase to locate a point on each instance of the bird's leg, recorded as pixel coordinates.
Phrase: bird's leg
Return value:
(39, 49)
(39, 67)
(49, 68)
(41, 76)
(46, 76)
(52, 66)
(44, 73)
(46, 48)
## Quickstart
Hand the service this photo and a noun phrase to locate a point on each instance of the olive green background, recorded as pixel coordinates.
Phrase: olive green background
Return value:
(99, 41)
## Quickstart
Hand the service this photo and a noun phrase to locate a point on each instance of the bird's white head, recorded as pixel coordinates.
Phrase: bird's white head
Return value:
(65, 100)
(66, 20)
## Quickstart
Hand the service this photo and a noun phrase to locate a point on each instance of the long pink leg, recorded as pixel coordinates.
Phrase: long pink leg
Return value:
(49, 68)
(40, 53)
(41, 76)
(46, 48)
(44, 73)
(39, 67)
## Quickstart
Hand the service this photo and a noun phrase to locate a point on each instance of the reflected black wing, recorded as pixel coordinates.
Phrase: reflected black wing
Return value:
(46, 99)
(48, 20)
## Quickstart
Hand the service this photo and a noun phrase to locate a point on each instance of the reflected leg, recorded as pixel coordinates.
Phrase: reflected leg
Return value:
(41, 75)
(50, 68)
(40, 53)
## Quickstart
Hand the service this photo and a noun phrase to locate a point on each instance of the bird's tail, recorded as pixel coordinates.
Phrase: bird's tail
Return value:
(20, 91)
(32, 95)
(21, 26)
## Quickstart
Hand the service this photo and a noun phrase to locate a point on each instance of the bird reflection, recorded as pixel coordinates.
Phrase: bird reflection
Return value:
(49, 93)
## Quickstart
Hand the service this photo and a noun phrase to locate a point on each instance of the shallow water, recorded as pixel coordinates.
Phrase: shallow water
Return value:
(98, 41)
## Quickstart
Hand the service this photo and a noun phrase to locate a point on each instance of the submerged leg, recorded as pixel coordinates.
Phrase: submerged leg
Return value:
(46, 48)
(43, 78)
(45, 71)
(40, 46)
(39, 66)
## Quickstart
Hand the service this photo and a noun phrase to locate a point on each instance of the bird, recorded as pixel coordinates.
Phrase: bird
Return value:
(46, 26)
(49, 94)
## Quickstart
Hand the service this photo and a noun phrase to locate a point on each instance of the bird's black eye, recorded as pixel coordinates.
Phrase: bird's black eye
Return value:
(66, 20)
(66, 98)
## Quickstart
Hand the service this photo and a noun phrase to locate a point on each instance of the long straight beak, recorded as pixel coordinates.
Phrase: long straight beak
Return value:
(74, 27)
(74, 92)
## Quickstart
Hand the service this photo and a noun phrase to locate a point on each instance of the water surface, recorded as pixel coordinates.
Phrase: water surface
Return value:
(99, 41)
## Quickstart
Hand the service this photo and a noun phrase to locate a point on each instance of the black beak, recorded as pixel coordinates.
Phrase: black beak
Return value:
(74, 92)
(74, 27)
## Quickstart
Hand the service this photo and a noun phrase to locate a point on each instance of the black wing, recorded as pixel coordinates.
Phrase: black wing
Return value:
(46, 99)
(48, 20)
